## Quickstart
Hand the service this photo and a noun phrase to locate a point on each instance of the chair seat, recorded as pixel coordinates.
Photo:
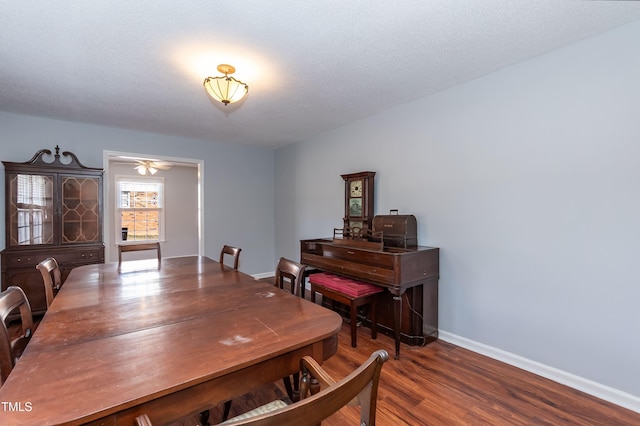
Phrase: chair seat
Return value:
(263, 409)
(320, 397)
(350, 292)
(344, 285)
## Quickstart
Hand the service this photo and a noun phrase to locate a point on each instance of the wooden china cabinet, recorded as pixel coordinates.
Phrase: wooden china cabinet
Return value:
(52, 209)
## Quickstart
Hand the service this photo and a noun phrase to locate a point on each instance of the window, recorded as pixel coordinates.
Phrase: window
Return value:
(30, 226)
(31, 202)
(140, 209)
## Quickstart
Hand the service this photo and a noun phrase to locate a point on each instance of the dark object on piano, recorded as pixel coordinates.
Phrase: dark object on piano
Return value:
(397, 230)
(408, 310)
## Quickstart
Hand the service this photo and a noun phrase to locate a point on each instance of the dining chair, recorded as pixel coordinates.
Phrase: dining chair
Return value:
(11, 348)
(143, 420)
(50, 271)
(234, 252)
(321, 396)
(123, 248)
(293, 272)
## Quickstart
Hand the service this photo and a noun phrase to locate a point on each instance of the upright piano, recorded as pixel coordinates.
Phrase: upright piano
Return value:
(409, 309)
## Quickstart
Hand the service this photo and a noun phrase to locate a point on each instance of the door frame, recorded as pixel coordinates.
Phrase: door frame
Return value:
(111, 255)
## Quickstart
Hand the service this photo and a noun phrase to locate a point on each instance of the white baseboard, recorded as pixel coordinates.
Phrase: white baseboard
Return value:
(590, 387)
(598, 390)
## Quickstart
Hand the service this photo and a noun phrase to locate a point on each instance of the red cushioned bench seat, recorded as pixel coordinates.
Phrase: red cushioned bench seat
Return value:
(349, 292)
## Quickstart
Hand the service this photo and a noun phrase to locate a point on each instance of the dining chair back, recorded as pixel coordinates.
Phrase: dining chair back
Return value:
(123, 248)
(12, 299)
(50, 271)
(321, 396)
(293, 272)
(234, 252)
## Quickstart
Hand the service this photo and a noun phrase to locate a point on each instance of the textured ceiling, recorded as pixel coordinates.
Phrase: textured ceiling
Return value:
(311, 66)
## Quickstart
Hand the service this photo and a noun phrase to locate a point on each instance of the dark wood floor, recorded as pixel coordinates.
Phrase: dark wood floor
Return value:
(442, 384)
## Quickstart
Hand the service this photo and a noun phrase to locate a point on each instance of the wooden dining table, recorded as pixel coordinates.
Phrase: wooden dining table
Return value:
(169, 340)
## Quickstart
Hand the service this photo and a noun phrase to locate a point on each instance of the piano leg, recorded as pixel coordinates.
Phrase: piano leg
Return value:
(397, 316)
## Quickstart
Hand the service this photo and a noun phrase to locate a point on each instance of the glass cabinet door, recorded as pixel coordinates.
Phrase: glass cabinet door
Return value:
(80, 209)
(31, 209)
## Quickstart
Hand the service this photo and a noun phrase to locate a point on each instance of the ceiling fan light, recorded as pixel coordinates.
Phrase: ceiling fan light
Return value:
(225, 89)
(145, 167)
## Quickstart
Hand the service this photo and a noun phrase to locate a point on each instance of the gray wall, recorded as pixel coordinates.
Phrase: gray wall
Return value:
(238, 181)
(528, 179)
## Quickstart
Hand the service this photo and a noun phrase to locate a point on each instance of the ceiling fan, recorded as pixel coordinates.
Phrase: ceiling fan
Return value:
(151, 167)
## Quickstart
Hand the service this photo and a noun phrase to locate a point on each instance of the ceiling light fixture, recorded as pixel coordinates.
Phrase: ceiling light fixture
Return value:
(145, 167)
(143, 170)
(225, 89)
(152, 167)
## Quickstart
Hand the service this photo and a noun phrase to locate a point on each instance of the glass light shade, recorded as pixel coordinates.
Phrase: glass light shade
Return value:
(143, 169)
(225, 89)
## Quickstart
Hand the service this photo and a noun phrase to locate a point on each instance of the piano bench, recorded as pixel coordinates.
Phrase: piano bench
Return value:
(349, 292)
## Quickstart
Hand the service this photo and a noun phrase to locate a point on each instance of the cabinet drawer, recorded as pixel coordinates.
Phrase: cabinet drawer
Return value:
(24, 260)
(75, 257)
(90, 255)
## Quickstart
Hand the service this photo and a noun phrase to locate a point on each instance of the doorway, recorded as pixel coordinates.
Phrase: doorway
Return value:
(182, 199)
